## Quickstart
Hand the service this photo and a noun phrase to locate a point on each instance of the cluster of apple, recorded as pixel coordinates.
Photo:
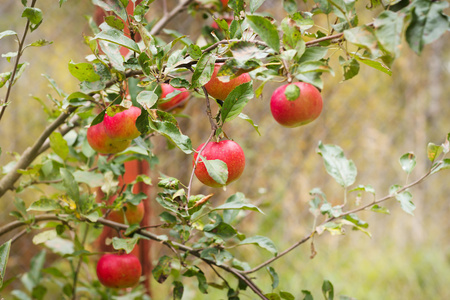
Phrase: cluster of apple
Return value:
(292, 105)
(115, 133)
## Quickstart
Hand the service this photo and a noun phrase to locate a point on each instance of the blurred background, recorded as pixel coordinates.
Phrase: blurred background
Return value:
(374, 117)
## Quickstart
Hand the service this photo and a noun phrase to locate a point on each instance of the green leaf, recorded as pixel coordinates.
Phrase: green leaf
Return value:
(162, 270)
(45, 204)
(178, 290)
(328, 290)
(374, 64)
(202, 284)
(427, 24)
(339, 167)
(380, 209)
(70, 184)
(266, 31)
(236, 101)
(272, 296)
(89, 178)
(249, 120)
(292, 92)
(147, 99)
(115, 22)
(117, 37)
(261, 241)
(238, 206)
(237, 6)
(286, 295)
(217, 169)
(173, 133)
(7, 33)
(325, 6)
(39, 43)
(194, 51)
(444, 165)
(408, 162)
(44, 236)
(290, 6)
(203, 70)
(308, 295)
(4, 77)
(351, 67)
(34, 15)
(115, 6)
(127, 244)
(433, 151)
(4, 255)
(220, 256)
(83, 72)
(255, 4)
(223, 230)
(59, 144)
(36, 264)
(405, 202)
(274, 277)
(388, 30)
(364, 37)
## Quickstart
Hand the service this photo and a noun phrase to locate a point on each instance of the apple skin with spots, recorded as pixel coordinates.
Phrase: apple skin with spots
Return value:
(300, 111)
(227, 151)
(102, 143)
(122, 126)
(119, 270)
(220, 89)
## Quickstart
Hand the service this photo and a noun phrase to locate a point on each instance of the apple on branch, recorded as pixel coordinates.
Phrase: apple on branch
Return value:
(133, 214)
(296, 104)
(119, 270)
(176, 101)
(219, 89)
(227, 151)
(102, 143)
(121, 124)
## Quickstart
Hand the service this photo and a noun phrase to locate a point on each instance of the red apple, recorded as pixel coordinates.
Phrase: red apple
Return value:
(300, 111)
(102, 143)
(220, 89)
(122, 126)
(133, 213)
(175, 101)
(227, 151)
(119, 270)
(224, 3)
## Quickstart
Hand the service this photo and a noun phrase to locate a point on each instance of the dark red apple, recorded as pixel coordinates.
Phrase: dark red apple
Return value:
(166, 89)
(122, 126)
(119, 270)
(220, 89)
(102, 143)
(299, 111)
(227, 151)
(133, 213)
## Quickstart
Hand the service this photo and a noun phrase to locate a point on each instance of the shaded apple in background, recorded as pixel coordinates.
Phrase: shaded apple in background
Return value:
(300, 111)
(220, 89)
(227, 151)
(119, 270)
(166, 89)
(122, 126)
(102, 143)
(133, 213)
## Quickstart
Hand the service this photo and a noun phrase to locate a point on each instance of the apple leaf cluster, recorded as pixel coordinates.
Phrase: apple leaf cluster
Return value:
(136, 79)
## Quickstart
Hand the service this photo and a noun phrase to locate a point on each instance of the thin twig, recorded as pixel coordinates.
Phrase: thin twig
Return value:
(168, 16)
(80, 261)
(196, 162)
(310, 235)
(16, 64)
